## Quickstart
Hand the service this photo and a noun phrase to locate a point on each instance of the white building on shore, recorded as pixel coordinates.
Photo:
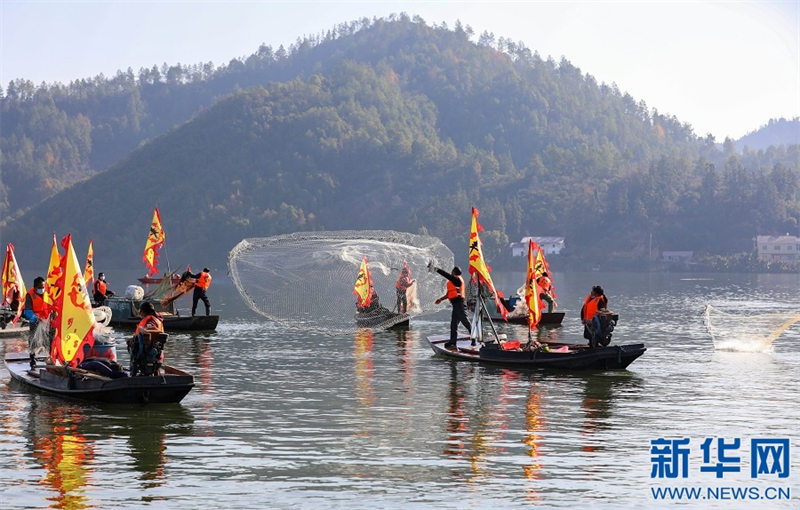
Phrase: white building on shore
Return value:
(551, 245)
(784, 248)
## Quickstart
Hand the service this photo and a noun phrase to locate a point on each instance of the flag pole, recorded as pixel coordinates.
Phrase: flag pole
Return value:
(491, 323)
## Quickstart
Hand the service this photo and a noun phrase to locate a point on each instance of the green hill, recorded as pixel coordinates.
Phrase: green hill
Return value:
(396, 124)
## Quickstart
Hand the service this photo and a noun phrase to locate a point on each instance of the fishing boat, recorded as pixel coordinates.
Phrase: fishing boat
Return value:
(125, 314)
(170, 385)
(498, 350)
(369, 312)
(556, 355)
(515, 305)
(173, 277)
(13, 297)
(73, 362)
(9, 330)
(380, 317)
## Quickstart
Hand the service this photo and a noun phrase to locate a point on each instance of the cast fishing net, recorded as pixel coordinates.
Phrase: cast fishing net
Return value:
(750, 333)
(306, 279)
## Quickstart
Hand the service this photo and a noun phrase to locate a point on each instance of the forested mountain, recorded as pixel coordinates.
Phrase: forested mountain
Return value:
(776, 132)
(379, 124)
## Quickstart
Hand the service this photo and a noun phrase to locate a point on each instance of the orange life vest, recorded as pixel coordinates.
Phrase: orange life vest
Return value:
(147, 318)
(403, 282)
(40, 308)
(590, 307)
(454, 292)
(100, 286)
(203, 281)
(545, 284)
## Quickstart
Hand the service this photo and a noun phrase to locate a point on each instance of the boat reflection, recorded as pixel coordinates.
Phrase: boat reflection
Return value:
(406, 340)
(599, 394)
(59, 444)
(534, 425)
(363, 367)
(62, 438)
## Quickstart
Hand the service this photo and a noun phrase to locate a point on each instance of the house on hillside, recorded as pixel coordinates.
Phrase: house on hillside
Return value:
(677, 256)
(784, 248)
(551, 245)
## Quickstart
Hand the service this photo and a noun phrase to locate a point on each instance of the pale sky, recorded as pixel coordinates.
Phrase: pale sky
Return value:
(725, 67)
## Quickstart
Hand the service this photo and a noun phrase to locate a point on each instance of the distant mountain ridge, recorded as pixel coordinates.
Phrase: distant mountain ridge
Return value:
(393, 124)
(776, 132)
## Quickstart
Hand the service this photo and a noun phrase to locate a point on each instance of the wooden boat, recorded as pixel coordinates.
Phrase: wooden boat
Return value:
(380, 317)
(146, 280)
(560, 356)
(369, 312)
(170, 386)
(125, 314)
(8, 329)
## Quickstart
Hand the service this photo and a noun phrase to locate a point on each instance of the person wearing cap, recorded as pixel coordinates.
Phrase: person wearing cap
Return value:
(202, 281)
(101, 290)
(456, 294)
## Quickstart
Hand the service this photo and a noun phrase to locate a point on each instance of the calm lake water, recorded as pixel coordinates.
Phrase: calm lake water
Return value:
(286, 419)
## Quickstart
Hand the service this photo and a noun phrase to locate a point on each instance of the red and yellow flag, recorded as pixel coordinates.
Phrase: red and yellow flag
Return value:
(543, 267)
(51, 290)
(12, 281)
(155, 240)
(75, 321)
(477, 265)
(88, 269)
(532, 290)
(363, 286)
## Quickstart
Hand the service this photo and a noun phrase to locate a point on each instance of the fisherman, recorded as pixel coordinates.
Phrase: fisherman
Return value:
(546, 285)
(202, 281)
(456, 293)
(401, 287)
(34, 311)
(140, 345)
(101, 290)
(593, 316)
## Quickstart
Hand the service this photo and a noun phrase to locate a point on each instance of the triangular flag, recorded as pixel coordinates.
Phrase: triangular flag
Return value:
(363, 286)
(532, 290)
(477, 265)
(75, 321)
(155, 240)
(13, 282)
(88, 269)
(52, 291)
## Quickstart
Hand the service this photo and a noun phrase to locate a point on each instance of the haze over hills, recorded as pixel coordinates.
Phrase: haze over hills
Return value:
(384, 124)
(776, 132)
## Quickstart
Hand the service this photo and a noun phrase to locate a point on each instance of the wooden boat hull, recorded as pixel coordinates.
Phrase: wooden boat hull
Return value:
(380, 317)
(168, 388)
(174, 323)
(124, 315)
(13, 330)
(579, 357)
(146, 280)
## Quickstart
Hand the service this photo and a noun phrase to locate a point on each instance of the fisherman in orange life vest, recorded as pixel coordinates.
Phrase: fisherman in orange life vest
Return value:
(546, 284)
(592, 326)
(35, 309)
(403, 283)
(150, 324)
(202, 281)
(456, 293)
(101, 290)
